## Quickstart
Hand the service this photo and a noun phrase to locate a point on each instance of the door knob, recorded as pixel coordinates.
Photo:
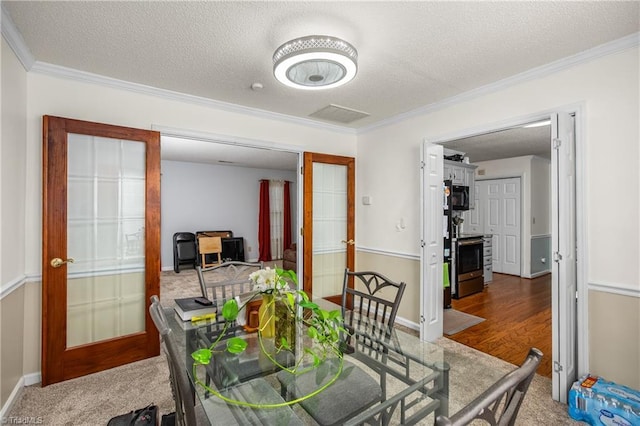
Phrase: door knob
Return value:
(350, 242)
(57, 262)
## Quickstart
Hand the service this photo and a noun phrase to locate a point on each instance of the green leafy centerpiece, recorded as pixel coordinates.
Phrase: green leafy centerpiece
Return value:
(284, 314)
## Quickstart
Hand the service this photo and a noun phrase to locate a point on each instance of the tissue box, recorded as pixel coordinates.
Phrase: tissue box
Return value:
(599, 402)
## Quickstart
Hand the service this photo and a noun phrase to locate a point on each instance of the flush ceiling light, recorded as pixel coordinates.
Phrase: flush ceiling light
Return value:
(315, 62)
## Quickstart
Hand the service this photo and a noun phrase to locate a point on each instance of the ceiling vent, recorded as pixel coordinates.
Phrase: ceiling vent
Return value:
(338, 114)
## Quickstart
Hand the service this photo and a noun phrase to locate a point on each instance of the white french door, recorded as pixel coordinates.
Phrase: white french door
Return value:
(564, 267)
(431, 293)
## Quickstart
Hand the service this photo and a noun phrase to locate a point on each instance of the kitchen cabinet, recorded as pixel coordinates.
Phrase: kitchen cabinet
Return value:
(461, 174)
(470, 181)
(454, 172)
(488, 259)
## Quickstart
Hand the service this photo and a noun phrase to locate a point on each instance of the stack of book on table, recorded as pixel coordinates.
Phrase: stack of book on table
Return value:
(190, 310)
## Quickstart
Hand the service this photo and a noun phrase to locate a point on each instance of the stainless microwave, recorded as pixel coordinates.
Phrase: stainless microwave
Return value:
(459, 197)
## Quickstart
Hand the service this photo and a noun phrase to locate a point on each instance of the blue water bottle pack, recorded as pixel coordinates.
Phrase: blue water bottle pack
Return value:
(599, 402)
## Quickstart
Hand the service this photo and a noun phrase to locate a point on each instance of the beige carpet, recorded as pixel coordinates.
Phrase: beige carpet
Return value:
(94, 399)
(456, 321)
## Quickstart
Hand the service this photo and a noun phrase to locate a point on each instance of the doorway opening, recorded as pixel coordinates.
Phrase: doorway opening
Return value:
(512, 211)
(212, 182)
(559, 218)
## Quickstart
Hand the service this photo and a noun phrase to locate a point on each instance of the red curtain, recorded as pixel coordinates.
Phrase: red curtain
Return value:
(286, 225)
(264, 232)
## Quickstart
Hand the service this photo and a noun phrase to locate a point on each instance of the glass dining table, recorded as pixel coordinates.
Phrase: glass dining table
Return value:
(414, 380)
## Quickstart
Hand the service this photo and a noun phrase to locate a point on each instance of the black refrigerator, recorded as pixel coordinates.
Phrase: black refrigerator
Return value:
(447, 232)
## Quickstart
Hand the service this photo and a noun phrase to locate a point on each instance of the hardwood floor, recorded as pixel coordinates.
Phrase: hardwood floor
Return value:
(517, 313)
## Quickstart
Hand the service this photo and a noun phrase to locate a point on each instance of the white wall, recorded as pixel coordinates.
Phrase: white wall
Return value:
(12, 153)
(13, 92)
(201, 197)
(540, 196)
(608, 89)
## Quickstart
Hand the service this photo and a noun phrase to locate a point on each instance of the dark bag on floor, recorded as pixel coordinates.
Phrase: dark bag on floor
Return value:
(144, 416)
(168, 419)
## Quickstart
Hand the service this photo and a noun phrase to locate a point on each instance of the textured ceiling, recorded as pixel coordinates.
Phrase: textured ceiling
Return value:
(411, 54)
(520, 140)
(197, 151)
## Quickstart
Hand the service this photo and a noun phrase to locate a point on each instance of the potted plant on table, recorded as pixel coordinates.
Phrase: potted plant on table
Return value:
(279, 319)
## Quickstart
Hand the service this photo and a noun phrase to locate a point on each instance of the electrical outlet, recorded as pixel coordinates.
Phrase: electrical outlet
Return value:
(249, 249)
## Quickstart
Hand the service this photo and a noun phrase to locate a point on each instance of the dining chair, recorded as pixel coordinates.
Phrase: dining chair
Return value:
(345, 399)
(220, 283)
(372, 300)
(500, 403)
(183, 393)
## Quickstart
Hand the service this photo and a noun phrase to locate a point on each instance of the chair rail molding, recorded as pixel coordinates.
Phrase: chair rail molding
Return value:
(383, 252)
(614, 288)
(12, 285)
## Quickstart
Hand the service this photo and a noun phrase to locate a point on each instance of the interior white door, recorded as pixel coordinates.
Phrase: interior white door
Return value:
(491, 194)
(502, 220)
(510, 215)
(564, 275)
(431, 292)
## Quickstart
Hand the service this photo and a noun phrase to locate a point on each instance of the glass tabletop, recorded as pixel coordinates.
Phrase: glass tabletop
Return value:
(416, 380)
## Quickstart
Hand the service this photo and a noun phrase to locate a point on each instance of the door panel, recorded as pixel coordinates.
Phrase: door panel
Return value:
(329, 223)
(564, 273)
(101, 242)
(492, 225)
(510, 225)
(503, 222)
(431, 293)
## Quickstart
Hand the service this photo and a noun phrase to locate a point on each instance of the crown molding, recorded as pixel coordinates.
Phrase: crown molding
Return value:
(605, 49)
(17, 44)
(15, 41)
(87, 77)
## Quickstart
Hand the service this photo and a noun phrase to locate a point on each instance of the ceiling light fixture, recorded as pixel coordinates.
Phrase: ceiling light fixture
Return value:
(315, 63)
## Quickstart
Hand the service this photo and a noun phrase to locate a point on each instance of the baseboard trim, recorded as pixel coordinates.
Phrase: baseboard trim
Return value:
(32, 379)
(539, 274)
(13, 397)
(409, 324)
